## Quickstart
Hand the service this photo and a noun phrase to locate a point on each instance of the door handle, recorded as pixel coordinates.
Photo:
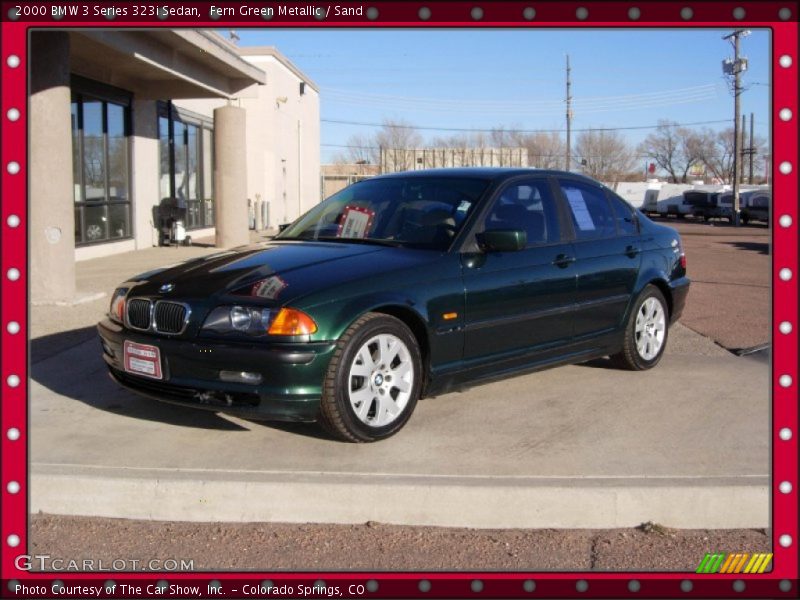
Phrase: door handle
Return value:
(563, 261)
(632, 251)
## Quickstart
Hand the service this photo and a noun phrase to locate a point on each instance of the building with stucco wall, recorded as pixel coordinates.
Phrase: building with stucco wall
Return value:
(285, 172)
(126, 126)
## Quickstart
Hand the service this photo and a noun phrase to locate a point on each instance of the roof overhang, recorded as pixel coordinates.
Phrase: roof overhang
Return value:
(162, 63)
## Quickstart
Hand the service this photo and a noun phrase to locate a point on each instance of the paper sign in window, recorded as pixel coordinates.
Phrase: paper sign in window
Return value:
(579, 209)
(356, 222)
(269, 288)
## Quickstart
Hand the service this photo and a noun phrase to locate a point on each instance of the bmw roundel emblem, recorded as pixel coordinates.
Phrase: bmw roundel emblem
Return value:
(167, 287)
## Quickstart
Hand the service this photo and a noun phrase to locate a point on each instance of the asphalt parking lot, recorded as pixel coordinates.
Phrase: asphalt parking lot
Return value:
(509, 455)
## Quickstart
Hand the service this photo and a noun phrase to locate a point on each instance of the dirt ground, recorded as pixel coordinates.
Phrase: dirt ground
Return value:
(729, 302)
(380, 547)
(730, 269)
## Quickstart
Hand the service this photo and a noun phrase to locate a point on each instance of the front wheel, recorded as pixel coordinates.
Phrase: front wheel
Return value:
(645, 333)
(373, 381)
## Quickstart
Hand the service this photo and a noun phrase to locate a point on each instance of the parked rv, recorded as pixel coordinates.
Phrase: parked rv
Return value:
(703, 203)
(677, 206)
(650, 204)
(755, 206)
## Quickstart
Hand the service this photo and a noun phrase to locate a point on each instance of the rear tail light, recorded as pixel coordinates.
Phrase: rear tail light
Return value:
(683, 261)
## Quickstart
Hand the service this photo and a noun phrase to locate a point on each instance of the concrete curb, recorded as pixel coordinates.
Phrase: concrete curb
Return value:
(478, 502)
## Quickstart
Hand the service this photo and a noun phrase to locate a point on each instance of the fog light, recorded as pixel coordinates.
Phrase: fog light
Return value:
(240, 377)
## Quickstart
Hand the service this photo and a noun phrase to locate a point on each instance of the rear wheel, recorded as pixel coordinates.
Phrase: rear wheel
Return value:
(373, 381)
(645, 333)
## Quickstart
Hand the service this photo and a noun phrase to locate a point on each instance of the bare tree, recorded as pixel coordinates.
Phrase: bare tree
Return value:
(396, 139)
(391, 145)
(360, 149)
(606, 154)
(545, 150)
(674, 149)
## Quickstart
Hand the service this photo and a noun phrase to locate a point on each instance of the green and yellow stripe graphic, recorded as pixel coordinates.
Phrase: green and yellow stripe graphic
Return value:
(739, 562)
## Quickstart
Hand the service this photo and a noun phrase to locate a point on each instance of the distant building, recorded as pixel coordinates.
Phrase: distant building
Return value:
(123, 123)
(407, 159)
(336, 177)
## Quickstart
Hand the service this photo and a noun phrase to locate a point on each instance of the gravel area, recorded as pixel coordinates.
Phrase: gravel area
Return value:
(730, 269)
(381, 547)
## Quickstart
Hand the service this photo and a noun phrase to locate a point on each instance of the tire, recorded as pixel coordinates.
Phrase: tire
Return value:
(373, 381)
(745, 219)
(640, 354)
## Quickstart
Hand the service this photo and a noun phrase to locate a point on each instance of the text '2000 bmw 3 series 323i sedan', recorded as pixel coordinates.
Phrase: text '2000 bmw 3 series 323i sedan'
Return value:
(398, 287)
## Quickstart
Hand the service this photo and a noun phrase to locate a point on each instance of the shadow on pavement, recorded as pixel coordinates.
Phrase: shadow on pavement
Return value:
(599, 363)
(70, 365)
(751, 246)
(312, 430)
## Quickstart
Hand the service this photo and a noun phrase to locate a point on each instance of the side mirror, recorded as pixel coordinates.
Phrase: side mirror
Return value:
(502, 240)
(283, 226)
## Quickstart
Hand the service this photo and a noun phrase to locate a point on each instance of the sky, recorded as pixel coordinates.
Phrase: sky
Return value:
(483, 78)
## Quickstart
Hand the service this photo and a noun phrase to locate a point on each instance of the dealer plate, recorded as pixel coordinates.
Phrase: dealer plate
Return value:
(142, 359)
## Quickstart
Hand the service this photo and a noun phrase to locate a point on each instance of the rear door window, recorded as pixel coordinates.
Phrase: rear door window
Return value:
(591, 213)
(623, 212)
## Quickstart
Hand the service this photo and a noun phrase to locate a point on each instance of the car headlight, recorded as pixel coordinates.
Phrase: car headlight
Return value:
(116, 310)
(238, 319)
(259, 321)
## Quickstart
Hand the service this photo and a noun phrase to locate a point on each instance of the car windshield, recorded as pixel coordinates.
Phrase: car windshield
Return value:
(419, 212)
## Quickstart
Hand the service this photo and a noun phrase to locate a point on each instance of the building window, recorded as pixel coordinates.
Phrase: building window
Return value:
(100, 164)
(187, 166)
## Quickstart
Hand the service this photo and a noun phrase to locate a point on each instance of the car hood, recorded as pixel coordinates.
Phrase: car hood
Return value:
(282, 270)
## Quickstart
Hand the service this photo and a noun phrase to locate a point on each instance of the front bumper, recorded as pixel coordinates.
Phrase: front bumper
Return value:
(292, 374)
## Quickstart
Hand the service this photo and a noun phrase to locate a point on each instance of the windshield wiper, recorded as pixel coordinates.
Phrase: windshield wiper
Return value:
(375, 241)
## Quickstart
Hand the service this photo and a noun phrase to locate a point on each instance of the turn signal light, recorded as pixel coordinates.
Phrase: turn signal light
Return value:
(117, 309)
(290, 321)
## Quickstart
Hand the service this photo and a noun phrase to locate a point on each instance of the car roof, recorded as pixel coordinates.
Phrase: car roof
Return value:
(488, 173)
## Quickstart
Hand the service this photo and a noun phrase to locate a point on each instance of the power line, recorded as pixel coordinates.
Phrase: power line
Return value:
(496, 130)
(532, 107)
(447, 102)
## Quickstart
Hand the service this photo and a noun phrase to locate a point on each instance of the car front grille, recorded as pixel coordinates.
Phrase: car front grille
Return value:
(170, 317)
(163, 316)
(139, 313)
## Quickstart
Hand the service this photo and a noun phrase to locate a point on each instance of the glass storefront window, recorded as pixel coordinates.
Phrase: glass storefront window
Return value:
(186, 167)
(117, 154)
(208, 175)
(76, 154)
(94, 172)
(101, 169)
(163, 151)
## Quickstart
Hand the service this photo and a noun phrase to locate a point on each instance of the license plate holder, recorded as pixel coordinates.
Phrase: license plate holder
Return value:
(142, 359)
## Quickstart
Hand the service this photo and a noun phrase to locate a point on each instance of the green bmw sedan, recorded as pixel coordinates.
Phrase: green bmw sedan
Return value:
(399, 287)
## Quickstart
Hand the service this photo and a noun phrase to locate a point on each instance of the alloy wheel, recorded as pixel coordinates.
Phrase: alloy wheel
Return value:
(380, 380)
(650, 328)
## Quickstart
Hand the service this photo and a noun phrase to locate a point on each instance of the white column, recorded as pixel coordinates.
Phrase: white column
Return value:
(230, 177)
(51, 232)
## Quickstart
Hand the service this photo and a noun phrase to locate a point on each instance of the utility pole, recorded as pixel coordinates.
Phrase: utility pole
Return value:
(752, 151)
(567, 158)
(734, 68)
(743, 146)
